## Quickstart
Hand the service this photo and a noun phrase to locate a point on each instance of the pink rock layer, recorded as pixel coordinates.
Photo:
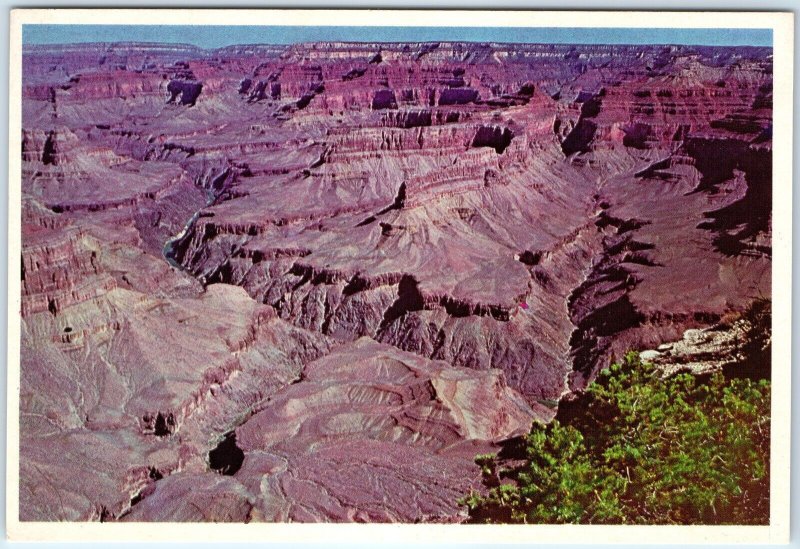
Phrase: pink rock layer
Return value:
(310, 283)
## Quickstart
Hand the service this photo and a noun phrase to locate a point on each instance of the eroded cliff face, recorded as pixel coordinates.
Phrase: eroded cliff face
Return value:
(257, 280)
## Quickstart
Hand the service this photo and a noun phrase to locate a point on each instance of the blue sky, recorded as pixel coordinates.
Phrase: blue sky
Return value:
(218, 36)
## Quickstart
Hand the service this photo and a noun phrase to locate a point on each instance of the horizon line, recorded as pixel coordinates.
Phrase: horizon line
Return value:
(376, 42)
(212, 37)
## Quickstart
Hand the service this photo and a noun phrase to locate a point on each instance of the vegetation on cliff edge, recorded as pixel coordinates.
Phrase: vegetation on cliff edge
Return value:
(639, 448)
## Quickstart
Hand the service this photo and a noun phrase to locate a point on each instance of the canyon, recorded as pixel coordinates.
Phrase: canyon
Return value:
(311, 282)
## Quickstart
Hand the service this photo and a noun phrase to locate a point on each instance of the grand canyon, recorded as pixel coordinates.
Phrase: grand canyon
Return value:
(312, 282)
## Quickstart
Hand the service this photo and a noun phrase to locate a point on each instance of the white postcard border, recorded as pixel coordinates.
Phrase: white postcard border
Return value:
(782, 25)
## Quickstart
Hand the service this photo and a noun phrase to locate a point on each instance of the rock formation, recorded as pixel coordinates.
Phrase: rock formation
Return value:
(311, 282)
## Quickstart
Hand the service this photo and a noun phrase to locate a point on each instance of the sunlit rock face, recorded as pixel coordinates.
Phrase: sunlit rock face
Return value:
(311, 282)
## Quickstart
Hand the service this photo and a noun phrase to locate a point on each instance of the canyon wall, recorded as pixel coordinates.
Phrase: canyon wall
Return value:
(311, 282)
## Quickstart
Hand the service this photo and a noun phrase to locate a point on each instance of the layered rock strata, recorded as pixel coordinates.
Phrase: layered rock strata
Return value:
(311, 282)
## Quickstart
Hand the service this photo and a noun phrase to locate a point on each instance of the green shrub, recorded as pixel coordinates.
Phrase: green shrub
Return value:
(642, 449)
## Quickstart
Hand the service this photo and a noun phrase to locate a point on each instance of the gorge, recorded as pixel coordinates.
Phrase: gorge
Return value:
(311, 282)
